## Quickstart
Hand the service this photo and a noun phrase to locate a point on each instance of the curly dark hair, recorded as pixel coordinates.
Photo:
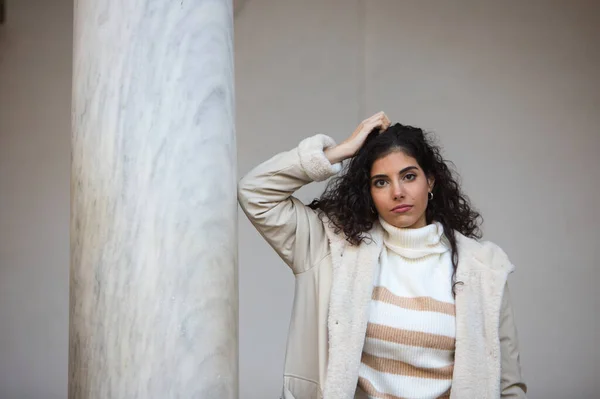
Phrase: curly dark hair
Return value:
(347, 200)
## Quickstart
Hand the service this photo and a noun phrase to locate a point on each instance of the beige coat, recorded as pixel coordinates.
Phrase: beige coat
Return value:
(334, 282)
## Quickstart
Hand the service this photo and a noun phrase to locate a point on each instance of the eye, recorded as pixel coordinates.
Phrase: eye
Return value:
(379, 183)
(410, 176)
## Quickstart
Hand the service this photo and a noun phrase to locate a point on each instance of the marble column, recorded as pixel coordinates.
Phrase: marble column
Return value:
(153, 285)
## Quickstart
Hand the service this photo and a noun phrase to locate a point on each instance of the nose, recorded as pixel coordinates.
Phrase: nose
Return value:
(397, 191)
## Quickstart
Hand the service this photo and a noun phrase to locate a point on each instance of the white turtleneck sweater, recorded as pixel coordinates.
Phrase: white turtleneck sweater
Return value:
(409, 345)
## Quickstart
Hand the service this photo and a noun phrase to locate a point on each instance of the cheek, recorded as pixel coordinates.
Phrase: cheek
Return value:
(420, 194)
(378, 196)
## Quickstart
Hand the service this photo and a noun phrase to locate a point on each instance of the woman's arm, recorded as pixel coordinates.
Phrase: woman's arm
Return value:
(294, 230)
(265, 194)
(512, 384)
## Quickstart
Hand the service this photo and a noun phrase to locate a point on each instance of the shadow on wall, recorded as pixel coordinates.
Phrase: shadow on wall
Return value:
(238, 6)
(3, 28)
(2, 12)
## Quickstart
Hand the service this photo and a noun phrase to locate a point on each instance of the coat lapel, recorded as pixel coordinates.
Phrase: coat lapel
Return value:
(352, 286)
(478, 301)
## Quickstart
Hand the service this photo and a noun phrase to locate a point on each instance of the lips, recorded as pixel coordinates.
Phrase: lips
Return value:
(402, 208)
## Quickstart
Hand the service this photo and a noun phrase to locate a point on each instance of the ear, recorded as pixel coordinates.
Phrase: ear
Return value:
(431, 182)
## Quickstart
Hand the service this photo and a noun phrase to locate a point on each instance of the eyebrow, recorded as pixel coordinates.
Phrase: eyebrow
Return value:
(380, 176)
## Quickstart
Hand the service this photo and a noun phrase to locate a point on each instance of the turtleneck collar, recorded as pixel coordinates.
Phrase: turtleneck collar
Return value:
(414, 243)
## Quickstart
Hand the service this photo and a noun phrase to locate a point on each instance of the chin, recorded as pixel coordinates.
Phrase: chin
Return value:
(402, 221)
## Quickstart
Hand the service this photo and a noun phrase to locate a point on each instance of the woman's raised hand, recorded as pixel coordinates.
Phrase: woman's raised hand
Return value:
(352, 144)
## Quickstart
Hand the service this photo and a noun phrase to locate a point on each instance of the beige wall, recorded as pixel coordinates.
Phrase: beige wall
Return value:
(511, 89)
(35, 84)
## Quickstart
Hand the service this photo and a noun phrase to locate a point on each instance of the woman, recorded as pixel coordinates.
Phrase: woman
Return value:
(395, 297)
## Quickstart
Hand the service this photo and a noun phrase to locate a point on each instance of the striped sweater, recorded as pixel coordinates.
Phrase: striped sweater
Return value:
(409, 345)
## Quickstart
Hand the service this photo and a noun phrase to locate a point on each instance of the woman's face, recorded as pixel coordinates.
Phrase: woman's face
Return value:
(400, 189)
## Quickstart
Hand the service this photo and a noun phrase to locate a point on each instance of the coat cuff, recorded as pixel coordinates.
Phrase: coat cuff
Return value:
(313, 160)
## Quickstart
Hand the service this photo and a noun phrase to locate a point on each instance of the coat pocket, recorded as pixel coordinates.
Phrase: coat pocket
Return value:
(299, 388)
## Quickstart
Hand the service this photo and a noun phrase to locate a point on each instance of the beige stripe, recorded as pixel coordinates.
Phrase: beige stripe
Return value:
(445, 396)
(422, 303)
(397, 367)
(412, 338)
(370, 390)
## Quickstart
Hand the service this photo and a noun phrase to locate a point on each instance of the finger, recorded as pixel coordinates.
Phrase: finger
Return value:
(370, 126)
(376, 116)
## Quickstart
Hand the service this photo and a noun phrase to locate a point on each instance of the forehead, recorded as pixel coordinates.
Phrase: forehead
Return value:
(393, 163)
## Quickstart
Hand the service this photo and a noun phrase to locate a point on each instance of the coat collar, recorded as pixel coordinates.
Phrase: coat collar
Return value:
(351, 292)
(482, 271)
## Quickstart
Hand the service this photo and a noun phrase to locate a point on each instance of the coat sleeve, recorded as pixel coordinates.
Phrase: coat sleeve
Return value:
(293, 230)
(512, 384)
